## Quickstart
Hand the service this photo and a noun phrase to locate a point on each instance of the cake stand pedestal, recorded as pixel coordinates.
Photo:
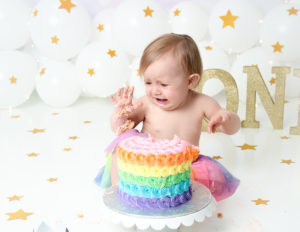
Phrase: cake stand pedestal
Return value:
(200, 206)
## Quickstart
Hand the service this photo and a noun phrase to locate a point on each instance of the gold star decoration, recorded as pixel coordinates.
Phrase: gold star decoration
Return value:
(112, 53)
(66, 4)
(100, 27)
(35, 12)
(277, 47)
(15, 198)
(217, 157)
(208, 48)
(176, 12)
(67, 149)
(73, 137)
(55, 113)
(285, 101)
(228, 19)
(80, 215)
(54, 39)
(35, 131)
(13, 80)
(148, 11)
(293, 11)
(247, 147)
(287, 162)
(272, 81)
(91, 72)
(138, 72)
(42, 72)
(20, 214)
(260, 201)
(15, 116)
(87, 122)
(32, 154)
(52, 179)
(284, 137)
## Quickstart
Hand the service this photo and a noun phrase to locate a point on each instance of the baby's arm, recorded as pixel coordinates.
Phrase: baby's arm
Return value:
(226, 121)
(126, 114)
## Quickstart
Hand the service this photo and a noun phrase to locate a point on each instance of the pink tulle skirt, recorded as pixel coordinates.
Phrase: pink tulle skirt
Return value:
(204, 170)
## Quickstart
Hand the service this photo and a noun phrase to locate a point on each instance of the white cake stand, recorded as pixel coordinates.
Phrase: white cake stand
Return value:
(200, 206)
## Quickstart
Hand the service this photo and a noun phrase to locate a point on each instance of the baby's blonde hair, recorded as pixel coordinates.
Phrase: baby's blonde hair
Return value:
(183, 46)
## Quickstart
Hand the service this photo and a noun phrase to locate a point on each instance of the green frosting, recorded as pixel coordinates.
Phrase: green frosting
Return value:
(154, 182)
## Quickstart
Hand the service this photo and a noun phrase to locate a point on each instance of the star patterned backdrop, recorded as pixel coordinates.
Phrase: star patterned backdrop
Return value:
(60, 59)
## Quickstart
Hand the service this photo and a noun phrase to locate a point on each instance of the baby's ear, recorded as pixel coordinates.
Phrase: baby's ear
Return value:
(193, 80)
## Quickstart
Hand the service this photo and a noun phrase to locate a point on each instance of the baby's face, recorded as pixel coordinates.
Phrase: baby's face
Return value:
(166, 83)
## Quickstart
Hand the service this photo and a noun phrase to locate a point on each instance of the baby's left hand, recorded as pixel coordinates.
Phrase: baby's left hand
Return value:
(217, 120)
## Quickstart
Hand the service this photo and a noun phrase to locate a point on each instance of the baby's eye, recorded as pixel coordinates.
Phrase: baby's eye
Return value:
(164, 85)
(147, 83)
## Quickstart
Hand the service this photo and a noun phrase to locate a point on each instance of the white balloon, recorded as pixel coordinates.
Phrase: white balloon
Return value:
(101, 73)
(255, 56)
(57, 33)
(213, 57)
(136, 80)
(57, 84)
(17, 72)
(134, 28)
(280, 33)
(189, 18)
(237, 34)
(14, 24)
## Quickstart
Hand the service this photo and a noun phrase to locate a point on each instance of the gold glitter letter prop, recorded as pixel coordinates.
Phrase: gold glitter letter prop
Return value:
(232, 95)
(255, 83)
(296, 130)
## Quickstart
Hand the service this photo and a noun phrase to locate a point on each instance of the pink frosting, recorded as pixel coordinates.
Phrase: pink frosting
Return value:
(146, 146)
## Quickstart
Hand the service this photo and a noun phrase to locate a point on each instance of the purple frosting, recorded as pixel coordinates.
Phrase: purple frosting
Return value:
(155, 203)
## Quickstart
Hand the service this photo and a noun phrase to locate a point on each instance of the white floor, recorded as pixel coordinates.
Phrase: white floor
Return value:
(69, 146)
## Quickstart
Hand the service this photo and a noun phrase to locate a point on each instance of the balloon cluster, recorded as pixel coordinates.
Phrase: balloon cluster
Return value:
(63, 48)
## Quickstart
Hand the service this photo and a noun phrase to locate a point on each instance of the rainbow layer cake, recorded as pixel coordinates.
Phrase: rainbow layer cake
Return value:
(155, 173)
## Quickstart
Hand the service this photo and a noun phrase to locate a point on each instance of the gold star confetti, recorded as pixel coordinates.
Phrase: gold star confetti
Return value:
(80, 215)
(67, 5)
(54, 39)
(67, 149)
(176, 12)
(247, 147)
(35, 12)
(284, 137)
(100, 27)
(287, 162)
(87, 122)
(33, 154)
(217, 157)
(112, 53)
(208, 48)
(15, 198)
(35, 131)
(55, 113)
(13, 80)
(52, 179)
(73, 137)
(138, 72)
(15, 116)
(91, 72)
(228, 19)
(259, 201)
(42, 72)
(285, 101)
(20, 214)
(148, 11)
(272, 81)
(277, 47)
(293, 11)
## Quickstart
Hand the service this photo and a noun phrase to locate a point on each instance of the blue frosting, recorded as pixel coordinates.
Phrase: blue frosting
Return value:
(149, 192)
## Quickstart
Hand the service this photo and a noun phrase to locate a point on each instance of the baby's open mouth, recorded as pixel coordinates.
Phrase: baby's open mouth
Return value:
(159, 100)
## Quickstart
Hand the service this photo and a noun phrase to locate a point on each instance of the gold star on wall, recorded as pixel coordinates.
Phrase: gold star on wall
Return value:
(259, 201)
(35, 131)
(87, 122)
(54, 39)
(55, 113)
(35, 12)
(91, 72)
(73, 137)
(13, 80)
(42, 72)
(100, 27)
(33, 154)
(287, 162)
(176, 12)
(217, 157)
(15, 116)
(293, 11)
(208, 48)
(138, 72)
(285, 101)
(20, 214)
(247, 147)
(228, 19)
(52, 179)
(277, 47)
(67, 149)
(284, 137)
(80, 215)
(272, 81)
(66, 4)
(112, 53)
(15, 198)
(148, 11)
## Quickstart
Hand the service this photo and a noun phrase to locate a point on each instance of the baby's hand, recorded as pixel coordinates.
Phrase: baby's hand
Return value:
(219, 119)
